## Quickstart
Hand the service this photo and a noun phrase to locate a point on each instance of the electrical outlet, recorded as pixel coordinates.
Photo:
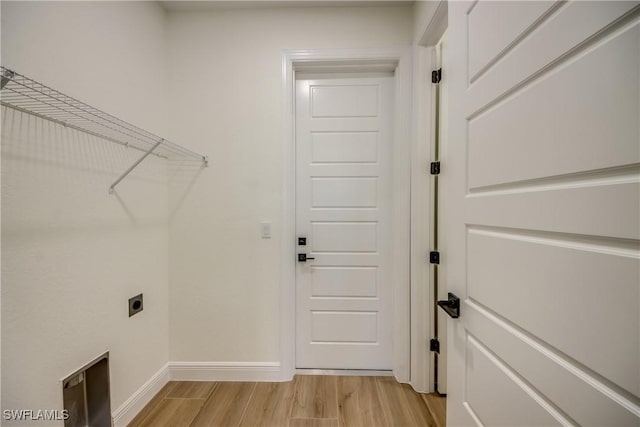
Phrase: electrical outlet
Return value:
(135, 305)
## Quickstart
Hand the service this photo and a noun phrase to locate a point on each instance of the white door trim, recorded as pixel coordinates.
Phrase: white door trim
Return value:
(422, 360)
(356, 60)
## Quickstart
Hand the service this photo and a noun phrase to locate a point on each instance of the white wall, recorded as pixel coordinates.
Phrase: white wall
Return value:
(71, 254)
(225, 82)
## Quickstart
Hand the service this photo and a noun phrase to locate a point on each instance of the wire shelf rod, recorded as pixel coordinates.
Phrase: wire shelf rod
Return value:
(81, 129)
(38, 94)
(29, 96)
(66, 107)
(74, 115)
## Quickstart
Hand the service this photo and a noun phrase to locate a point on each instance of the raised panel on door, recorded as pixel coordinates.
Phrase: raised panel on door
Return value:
(344, 237)
(490, 38)
(508, 270)
(552, 40)
(554, 375)
(344, 326)
(343, 192)
(344, 101)
(340, 281)
(555, 126)
(544, 202)
(613, 204)
(344, 147)
(525, 405)
(343, 295)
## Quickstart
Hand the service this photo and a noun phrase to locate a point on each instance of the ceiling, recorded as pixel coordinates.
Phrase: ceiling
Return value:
(204, 5)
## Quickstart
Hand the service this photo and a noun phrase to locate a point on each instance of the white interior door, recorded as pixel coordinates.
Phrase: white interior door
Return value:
(344, 295)
(541, 177)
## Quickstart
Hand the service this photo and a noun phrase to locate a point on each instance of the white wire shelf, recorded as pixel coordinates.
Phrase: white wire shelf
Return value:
(27, 95)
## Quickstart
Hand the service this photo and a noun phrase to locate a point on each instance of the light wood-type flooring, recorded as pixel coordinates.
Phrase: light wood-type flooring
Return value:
(307, 401)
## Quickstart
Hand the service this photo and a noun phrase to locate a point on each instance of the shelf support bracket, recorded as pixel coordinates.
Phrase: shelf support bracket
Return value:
(133, 166)
(7, 75)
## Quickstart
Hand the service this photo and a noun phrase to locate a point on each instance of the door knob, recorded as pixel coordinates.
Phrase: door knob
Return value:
(451, 305)
(304, 258)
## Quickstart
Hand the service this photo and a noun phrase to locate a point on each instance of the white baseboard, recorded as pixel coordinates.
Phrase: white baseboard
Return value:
(134, 404)
(225, 371)
(193, 371)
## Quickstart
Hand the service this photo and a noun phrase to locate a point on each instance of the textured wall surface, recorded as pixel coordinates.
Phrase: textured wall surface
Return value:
(72, 255)
(226, 91)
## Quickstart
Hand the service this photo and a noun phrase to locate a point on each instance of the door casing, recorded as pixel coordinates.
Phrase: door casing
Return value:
(361, 61)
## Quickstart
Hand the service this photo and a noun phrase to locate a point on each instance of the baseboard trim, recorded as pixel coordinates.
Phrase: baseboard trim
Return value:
(341, 372)
(138, 400)
(225, 371)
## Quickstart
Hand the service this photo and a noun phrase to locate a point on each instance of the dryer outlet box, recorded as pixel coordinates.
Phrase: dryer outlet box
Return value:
(135, 305)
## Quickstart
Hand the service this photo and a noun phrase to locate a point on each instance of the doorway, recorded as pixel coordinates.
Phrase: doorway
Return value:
(343, 204)
(359, 63)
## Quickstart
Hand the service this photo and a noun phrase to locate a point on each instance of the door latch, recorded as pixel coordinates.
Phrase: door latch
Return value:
(451, 306)
(304, 258)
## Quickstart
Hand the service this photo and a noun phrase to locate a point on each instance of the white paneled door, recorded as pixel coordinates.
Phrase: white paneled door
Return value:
(343, 294)
(541, 185)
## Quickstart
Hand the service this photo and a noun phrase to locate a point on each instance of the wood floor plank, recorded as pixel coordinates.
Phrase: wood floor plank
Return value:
(152, 405)
(173, 413)
(314, 397)
(313, 422)
(438, 407)
(402, 406)
(191, 390)
(359, 402)
(270, 405)
(225, 406)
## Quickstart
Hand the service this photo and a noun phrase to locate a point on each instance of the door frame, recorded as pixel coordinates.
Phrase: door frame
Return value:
(432, 22)
(352, 60)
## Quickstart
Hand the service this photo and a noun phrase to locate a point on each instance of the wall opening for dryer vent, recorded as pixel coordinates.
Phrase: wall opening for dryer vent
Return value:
(86, 395)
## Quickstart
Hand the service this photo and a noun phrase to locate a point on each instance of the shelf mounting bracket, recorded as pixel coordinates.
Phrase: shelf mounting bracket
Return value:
(133, 166)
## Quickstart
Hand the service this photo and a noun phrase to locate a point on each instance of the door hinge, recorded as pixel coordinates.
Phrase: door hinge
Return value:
(436, 75)
(435, 168)
(434, 345)
(434, 257)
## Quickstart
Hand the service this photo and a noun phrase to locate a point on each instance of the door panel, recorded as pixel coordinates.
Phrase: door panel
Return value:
(551, 41)
(344, 192)
(344, 326)
(344, 147)
(343, 296)
(524, 407)
(488, 36)
(344, 281)
(344, 236)
(504, 270)
(344, 101)
(541, 179)
(613, 204)
(554, 376)
(542, 128)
